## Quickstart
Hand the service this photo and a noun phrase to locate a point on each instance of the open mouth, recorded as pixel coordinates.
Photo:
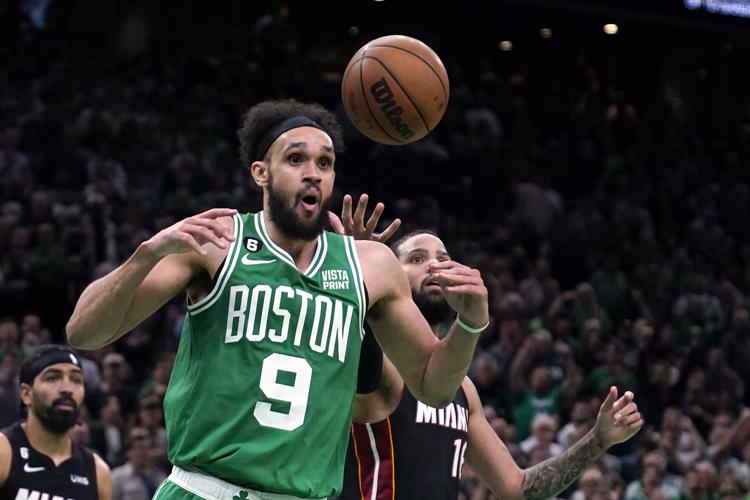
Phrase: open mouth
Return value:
(64, 406)
(431, 284)
(310, 199)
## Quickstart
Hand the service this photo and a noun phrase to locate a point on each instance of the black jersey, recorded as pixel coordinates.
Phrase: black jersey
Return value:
(33, 475)
(416, 453)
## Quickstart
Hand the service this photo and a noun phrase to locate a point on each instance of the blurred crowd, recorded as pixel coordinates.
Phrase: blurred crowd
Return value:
(611, 231)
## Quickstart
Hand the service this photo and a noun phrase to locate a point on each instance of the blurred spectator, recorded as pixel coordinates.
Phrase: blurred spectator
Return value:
(613, 372)
(10, 399)
(107, 432)
(650, 486)
(542, 439)
(138, 478)
(590, 485)
(116, 381)
(697, 307)
(582, 418)
(151, 418)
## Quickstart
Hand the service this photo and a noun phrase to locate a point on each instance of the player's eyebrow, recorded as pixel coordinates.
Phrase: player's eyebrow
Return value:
(292, 145)
(303, 145)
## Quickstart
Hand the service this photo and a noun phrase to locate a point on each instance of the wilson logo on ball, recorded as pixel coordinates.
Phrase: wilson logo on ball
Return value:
(383, 95)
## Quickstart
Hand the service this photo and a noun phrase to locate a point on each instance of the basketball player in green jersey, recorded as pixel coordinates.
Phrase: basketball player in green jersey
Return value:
(260, 398)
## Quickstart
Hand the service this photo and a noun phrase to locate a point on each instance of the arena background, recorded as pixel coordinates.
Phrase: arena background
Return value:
(599, 181)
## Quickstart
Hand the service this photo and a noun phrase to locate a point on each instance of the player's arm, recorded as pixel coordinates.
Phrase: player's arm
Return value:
(6, 455)
(378, 405)
(103, 479)
(487, 454)
(618, 421)
(160, 268)
(432, 369)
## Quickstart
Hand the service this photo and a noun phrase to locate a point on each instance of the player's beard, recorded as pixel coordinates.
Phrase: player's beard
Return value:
(53, 419)
(282, 213)
(433, 306)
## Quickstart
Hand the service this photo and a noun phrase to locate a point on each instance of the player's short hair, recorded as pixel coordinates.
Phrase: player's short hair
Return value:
(260, 118)
(396, 245)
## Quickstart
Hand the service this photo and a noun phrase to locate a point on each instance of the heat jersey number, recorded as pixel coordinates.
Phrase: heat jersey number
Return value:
(458, 457)
(296, 394)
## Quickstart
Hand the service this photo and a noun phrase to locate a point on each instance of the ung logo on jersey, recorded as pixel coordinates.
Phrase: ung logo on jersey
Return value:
(453, 416)
(335, 279)
(319, 322)
(25, 494)
(75, 478)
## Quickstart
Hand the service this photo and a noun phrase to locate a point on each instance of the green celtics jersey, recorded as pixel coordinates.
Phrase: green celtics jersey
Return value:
(262, 388)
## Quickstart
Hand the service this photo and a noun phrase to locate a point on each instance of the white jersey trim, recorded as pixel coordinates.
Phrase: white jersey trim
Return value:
(359, 281)
(226, 271)
(315, 263)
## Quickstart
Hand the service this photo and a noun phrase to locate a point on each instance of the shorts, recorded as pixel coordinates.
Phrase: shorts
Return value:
(186, 485)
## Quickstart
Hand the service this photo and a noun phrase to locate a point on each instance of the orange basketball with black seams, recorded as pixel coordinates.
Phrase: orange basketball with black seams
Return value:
(395, 89)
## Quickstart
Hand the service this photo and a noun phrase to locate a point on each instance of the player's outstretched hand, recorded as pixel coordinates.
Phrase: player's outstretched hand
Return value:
(354, 225)
(464, 290)
(618, 419)
(193, 232)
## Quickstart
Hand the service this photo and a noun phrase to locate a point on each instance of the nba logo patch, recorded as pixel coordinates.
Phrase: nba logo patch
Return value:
(252, 245)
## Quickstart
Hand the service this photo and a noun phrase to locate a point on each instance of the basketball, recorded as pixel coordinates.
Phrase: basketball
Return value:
(395, 90)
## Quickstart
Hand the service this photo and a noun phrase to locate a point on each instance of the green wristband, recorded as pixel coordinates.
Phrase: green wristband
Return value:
(470, 329)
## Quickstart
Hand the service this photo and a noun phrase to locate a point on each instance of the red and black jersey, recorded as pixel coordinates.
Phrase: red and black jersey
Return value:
(34, 474)
(417, 453)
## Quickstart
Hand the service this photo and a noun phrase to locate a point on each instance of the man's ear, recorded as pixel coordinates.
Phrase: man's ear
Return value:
(25, 394)
(259, 171)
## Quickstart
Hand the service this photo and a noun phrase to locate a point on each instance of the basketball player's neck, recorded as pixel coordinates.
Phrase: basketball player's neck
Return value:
(56, 446)
(302, 251)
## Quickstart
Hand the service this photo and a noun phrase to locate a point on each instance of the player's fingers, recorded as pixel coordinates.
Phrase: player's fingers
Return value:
(215, 213)
(629, 409)
(346, 214)
(372, 222)
(213, 225)
(447, 264)
(205, 234)
(389, 231)
(609, 401)
(336, 224)
(457, 271)
(624, 401)
(190, 241)
(633, 418)
(457, 279)
(466, 289)
(359, 212)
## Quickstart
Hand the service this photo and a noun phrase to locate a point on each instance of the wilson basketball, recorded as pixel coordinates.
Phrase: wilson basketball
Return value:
(395, 89)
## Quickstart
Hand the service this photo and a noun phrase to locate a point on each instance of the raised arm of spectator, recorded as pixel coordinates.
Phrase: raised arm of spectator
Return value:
(556, 306)
(736, 436)
(518, 367)
(573, 380)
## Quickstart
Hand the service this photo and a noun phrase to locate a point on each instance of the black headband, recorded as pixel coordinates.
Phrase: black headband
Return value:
(274, 132)
(35, 365)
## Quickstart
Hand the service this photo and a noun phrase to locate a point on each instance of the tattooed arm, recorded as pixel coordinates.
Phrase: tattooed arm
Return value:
(548, 478)
(618, 421)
